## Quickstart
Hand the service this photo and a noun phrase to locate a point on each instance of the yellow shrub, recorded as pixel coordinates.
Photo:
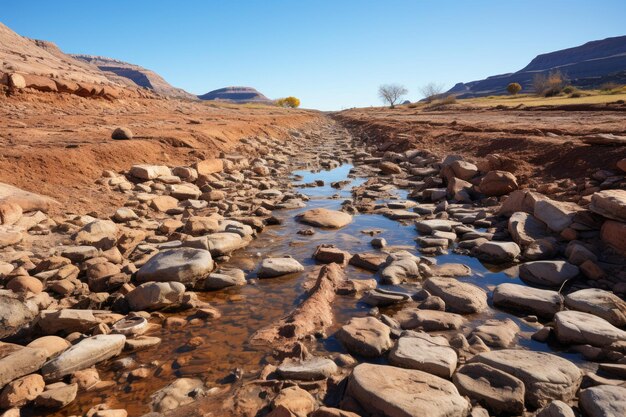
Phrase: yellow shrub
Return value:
(290, 101)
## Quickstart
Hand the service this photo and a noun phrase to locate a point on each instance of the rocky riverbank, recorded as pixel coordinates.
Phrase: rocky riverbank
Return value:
(250, 283)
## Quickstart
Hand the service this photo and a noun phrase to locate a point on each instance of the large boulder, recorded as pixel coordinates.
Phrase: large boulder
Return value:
(610, 203)
(497, 252)
(276, 267)
(500, 392)
(66, 320)
(548, 273)
(600, 303)
(185, 265)
(546, 377)
(579, 328)
(155, 295)
(604, 401)
(365, 336)
(26, 200)
(101, 234)
(426, 353)
(322, 217)
(544, 303)
(22, 362)
(460, 297)
(558, 215)
(220, 244)
(497, 183)
(394, 392)
(84, 354)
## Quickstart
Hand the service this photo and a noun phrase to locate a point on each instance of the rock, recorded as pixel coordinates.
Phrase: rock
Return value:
(185, 265)
(311, 369)
(276, 267)
(327, 253)
(497, 333)
(296, 400)
(180, 392)
(600, 303)
(21, 391)
(163, 203)
(131, 326)
(224, 243)
(429, 226)
(496, 390)
(556, 409)
(368, 261)
(579, 328)
(425, 353)
(9, 237)
(610, 203)
(122, 133)
(380, 298)
(101, 234)
(19, 363)
(66, 320)
(603, 401)
(57, 397)
(543, 303)
(621, 164)
(395, 392)
(10, 213)
(389, 168)
(184, 191)
(52, 345)
(459, 297)
(149, 172)
(464, 170)
(497, 252)
(86, 379)
(84, 354)
(209, 166)
(546, 377)
(558, 215)
(79, 253)
(331, 412)
(225, 277)
(614, 234)
(525, 228)
(14, 315)
(17, 81)
(497, 183)
(26, 200)
(428, 320)
(322, 217)
(548, 273)
(124, 214)
(399, 267)
(25, 284)
(365, 336)
(155, 295)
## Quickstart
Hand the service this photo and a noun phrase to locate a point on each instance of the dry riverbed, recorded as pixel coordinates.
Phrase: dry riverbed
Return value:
(317, 275)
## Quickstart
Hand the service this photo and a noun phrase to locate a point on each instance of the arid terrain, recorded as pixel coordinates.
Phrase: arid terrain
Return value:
(163, 257)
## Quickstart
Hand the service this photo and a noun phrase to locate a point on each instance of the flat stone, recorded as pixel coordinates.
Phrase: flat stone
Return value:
(101, 234)
(497, 183)
(155, 295)
(276, 267)
(525, 228)
(429, 226)
(20, 363)
(381, 298)
(543, 303)
(459, 297)
(497, 252)
(178, 393)
(57, 397)
(311, 369)
(450, 270)
(225, 277)
(221, 244)
(149, 172)
(496, 390)
(610, 203)
(365, 336)
(66, 320)
(558, 215)
(84, 354)
(21, 391)
(396, 392)
(604, 401)
(322, 217)
(546, 377)
(52, 345)
(548, 273)
(579, 328)
(425, 353)
(600, 303)
(185, 265)
(428, 320)
(497, 333)
(14, 315)
(368, 261)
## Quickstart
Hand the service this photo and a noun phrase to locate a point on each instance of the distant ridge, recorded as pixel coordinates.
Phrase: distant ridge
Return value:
(588, 65)
(236, 95)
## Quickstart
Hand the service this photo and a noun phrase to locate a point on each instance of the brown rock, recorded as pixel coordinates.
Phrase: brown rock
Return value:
(209, 166)
(613, 233)
(497, 183)
(25, 283)
(21, 391)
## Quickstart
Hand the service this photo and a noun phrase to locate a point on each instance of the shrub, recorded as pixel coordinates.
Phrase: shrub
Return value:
(550, 84)
(451, 99)
(513, 88)
(609, 86)
(432, 91)
(290, 101)
(391, 93)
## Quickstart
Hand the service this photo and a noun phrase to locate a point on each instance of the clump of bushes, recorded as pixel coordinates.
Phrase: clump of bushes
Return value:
(549, 85)
(514, 88)
(292, 102)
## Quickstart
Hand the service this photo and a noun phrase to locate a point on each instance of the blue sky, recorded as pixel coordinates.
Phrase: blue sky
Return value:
(331, 54)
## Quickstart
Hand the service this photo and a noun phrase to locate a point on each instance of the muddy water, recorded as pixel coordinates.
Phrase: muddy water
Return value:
(248, 308)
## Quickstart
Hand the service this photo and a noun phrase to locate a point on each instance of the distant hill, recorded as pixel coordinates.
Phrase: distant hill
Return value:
(588, 65)
(236, 95)
(140, 76)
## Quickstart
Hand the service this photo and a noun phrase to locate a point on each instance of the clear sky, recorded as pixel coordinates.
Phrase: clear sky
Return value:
(330, 54)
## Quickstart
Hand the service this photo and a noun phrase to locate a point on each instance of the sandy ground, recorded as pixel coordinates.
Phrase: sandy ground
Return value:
(59, 144)
(543, 144)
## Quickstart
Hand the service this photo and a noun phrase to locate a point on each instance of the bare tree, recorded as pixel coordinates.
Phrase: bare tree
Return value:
(391, 93)
(432, 91)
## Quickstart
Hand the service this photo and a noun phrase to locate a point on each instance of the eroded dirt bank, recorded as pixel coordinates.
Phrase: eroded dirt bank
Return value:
(58, 144)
